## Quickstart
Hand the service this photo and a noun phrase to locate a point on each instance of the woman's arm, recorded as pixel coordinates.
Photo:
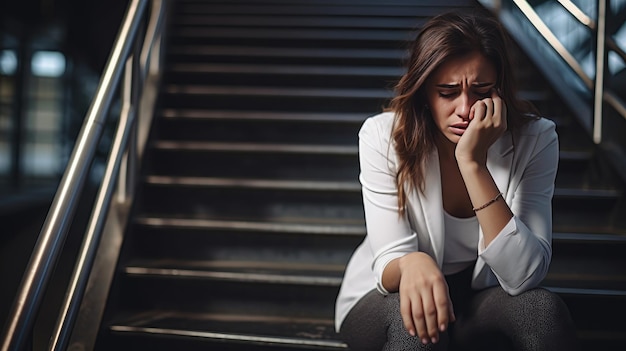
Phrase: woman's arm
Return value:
(516, 240)
(426, 308)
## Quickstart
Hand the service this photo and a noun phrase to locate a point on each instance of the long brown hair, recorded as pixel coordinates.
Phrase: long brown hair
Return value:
(443, 37)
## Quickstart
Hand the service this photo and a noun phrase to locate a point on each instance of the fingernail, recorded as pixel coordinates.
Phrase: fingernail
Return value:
(434, 340)
(442, 327)
(425, 341)
(411, 332)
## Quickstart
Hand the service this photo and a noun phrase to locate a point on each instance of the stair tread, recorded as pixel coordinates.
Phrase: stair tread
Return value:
(197, 68)
(353, 53)
(266, 329)
(300, 273)
(400, 10)
(276, 92)
(598, 193)
(304, 185)
(322, 226)
(367, 35)
(592, 277)
(263, 115)
(255, 147)
(327, 185)
(235, 20)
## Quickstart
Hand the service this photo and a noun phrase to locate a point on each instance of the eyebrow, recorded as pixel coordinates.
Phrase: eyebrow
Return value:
(475, 85)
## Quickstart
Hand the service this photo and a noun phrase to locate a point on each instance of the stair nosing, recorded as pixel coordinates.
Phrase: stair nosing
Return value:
(589, 237)
(230, 336)
(281, 21)
(273, 227)
(255, 147)
(565, 192)
(354, 53)
(243, 277)
(276, 92)
(353, 35)
(171, 113)
(583, 291)
(273, 69)
(308, 185)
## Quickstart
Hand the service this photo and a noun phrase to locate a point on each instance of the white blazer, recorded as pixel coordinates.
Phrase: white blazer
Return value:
(524, 170)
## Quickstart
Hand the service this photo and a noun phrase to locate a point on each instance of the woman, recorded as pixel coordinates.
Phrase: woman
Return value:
(457, 179)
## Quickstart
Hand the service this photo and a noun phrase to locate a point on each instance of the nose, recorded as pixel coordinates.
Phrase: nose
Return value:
(464, 104)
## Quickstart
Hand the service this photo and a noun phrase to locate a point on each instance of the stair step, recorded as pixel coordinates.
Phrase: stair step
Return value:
(284, 75)
(306, 21)
(274, 98)
(328, 9)
(277, 92)
(286, 70)
(272, 272)
(255, 147)
(591, 194)
(266, 116)
(320, 227)
(264, 330)
(339, 38)
(300, 185)
(286, 55)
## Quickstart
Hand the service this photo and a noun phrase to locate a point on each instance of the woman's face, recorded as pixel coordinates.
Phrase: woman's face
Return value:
(454, 87)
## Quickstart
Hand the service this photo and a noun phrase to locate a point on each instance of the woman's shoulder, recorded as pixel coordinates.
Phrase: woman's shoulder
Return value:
(538, 126)
(380, 124)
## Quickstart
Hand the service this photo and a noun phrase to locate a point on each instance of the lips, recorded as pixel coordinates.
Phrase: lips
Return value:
(459, 128)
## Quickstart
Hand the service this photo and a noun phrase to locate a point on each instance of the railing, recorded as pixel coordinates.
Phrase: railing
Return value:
(135, 58)
(609, 135)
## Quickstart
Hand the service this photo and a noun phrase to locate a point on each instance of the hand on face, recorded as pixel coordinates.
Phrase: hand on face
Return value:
(425, 304)
(487, 123)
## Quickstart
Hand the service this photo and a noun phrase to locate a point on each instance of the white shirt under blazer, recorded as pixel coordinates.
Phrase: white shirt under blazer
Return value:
(524, 170)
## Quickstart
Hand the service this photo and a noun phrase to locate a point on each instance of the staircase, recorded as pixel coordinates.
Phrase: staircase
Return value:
(250, 206)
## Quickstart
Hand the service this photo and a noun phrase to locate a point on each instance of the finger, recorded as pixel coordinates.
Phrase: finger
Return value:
(407, 317)
(489, 108)
(430, 315)
(479, 109)
(442, 302)
(452, 316)
(417, 313)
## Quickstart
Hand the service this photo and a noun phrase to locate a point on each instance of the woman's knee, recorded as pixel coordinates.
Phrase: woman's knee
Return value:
(543, 319)
(543, 303)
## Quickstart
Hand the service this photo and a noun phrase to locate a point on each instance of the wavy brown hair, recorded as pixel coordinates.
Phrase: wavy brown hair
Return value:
(443, 37)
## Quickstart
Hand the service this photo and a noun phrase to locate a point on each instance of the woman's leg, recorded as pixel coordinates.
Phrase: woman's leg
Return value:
(375, 324)
(535, 320)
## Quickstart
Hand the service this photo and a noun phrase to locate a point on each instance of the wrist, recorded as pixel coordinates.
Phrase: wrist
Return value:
(471, 166)
(410, 260)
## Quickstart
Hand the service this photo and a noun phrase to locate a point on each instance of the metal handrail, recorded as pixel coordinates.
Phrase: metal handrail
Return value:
(597, 84)
(54, 231)
(588, 22)
(553, 41)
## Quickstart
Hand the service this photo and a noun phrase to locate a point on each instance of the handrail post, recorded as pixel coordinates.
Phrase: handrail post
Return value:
(598, 97)
(130, 104)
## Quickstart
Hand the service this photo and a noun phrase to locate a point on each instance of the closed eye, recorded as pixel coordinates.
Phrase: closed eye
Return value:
(447, 94)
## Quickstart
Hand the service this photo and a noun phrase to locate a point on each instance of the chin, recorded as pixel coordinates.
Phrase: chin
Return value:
(453, 138)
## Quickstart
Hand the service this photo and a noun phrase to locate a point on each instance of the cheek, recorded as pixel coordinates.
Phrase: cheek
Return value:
(440, 112)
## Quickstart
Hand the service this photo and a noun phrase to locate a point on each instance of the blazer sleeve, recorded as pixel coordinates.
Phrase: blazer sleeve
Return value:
(520, 255)
(389, 235)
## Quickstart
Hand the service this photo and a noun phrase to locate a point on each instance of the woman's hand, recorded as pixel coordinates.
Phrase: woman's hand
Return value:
(425, 303)
(487, 123)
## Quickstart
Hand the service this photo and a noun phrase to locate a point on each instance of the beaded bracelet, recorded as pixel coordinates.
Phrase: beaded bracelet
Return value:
(476, 209)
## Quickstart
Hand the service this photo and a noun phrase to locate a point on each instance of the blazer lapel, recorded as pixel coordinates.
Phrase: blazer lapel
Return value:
(432, 206)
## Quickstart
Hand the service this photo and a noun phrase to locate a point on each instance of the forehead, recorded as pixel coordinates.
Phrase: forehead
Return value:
(469, 68)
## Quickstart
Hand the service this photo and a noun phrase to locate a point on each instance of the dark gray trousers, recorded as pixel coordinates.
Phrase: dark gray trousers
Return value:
(489, 319)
